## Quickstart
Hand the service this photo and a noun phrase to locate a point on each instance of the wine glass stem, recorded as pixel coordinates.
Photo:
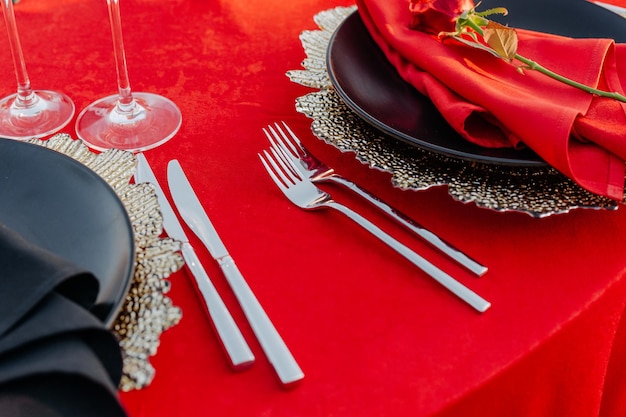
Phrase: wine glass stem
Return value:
(126, 102)
(25, 95)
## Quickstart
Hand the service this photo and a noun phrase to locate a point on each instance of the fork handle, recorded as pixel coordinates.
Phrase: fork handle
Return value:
(461, 291)
(416, 228)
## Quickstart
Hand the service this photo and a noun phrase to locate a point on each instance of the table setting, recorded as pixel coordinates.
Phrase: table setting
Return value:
(313, 208)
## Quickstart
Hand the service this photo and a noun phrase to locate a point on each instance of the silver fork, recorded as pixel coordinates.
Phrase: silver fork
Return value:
(316, 171)
(304, 194)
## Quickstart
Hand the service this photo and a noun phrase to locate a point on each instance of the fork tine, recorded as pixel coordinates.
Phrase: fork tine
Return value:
(286, 164)
(266, 160)
(283, 143)
(274, 139)
(277, 143)
(283, 166)
(295, 138)
(270, 137)
(294, 143)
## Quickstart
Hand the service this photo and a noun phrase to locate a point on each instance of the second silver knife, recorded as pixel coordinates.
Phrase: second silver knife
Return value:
(195, 216)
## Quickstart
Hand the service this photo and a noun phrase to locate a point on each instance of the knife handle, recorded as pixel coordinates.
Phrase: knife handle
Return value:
(273, 345)
(232, 340)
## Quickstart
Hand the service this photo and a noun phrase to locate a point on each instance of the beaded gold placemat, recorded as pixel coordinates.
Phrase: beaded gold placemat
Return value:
(147, 311)
(539, 192)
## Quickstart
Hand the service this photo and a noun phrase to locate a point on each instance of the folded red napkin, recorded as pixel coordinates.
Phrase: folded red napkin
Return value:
(490, 103)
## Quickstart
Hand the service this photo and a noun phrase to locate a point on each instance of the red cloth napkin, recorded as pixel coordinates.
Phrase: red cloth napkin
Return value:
(490, 103)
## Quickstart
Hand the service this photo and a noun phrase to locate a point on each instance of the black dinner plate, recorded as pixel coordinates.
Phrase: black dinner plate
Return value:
(61, 205)
(372, 88)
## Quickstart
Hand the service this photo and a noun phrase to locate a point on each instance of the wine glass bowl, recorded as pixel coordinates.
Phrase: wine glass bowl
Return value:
(128, 120)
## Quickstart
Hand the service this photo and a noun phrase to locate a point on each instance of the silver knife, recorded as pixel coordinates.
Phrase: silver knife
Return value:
(232, 340)
(195, 216)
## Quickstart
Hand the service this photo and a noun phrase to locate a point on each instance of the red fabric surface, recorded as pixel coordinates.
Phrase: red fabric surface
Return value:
(618, 3)
(577, 133)
(373, 335)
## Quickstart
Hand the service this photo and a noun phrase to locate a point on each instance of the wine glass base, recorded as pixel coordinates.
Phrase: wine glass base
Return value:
(47, 113)
(153, 121)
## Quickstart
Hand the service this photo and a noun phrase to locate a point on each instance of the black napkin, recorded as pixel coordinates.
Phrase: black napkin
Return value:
(56, 358)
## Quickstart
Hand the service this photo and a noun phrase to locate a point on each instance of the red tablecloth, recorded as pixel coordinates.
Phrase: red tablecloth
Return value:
(374, 335)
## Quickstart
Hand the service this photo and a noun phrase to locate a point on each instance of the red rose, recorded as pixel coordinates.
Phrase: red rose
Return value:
(435, 16)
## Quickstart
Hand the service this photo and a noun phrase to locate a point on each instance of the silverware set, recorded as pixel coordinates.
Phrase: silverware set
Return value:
(294, 170)
(194, 215)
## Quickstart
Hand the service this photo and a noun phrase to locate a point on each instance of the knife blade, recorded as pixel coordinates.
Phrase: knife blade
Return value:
(195, 216)
(230, 336)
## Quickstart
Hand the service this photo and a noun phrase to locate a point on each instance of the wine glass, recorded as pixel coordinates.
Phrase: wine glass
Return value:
(127, 120)
(28, 113)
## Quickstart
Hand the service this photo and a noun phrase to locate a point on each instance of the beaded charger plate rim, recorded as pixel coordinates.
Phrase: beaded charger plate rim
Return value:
(146, 311)
(537, 191)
